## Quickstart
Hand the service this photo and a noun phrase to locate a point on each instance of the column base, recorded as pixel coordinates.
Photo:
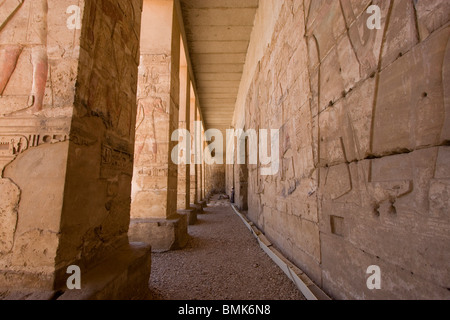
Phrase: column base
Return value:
(191, 215)
(161, 234)
(203, 204)
(123, 275)
(198, 208)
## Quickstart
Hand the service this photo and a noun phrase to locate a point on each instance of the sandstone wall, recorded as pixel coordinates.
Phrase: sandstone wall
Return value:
(363, 118)
(215, 178)
(67, 118)
(35, 119)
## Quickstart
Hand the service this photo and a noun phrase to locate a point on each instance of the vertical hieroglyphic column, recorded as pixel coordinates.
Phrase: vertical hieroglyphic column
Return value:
(154, 196)
(67, 117)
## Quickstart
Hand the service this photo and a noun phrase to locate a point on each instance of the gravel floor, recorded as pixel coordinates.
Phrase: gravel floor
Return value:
(222, 261)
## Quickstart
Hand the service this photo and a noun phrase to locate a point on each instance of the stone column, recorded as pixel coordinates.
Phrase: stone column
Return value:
(154, 218)
(194, 166)
(183, 116)
(202, 169)
(67, 120)
(199, 155)
(184, 168)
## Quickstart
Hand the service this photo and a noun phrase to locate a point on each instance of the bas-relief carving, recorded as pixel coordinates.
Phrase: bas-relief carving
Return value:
(11, 145)
(115, 161)
(146, 144)
(14, 38)
(9, 8)
(153, 84)
(121, 117)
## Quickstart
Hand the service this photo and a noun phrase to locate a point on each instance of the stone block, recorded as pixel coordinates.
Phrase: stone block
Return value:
(415, 118)
(161, 234)
(191, 215)
(198, 208)
(123, 275)
(344, 268)
(401, 33)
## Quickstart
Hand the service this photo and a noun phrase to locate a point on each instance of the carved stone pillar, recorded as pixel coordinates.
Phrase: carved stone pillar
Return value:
(154, 218)
(199, 157)
(184, 168)
(201, 191)
(67, 121)
(194, 166)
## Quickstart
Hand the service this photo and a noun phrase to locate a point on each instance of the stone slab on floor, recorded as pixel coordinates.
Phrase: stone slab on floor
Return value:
(162, 234)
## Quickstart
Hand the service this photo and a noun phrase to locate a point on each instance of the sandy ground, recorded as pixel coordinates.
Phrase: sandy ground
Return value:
(222, 261)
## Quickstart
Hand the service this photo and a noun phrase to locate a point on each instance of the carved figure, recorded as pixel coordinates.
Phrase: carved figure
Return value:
(23, 24)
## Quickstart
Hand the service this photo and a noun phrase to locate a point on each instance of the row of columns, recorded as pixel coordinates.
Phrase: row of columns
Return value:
(67, 138)
(166, 196)
(70, 123)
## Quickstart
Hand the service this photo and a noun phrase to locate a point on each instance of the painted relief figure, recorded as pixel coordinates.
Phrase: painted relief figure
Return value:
(23, 24)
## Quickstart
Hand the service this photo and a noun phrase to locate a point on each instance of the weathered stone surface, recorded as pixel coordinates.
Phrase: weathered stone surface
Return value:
(415, 118)
(203, 204)
(8, 215)
(198, 208)
(124, 276)
(215, 179)
(67, 119)
(191, 215)
(161, 234)
(363, 117)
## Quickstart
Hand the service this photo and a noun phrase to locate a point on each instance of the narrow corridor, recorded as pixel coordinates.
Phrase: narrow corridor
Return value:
(222, 261)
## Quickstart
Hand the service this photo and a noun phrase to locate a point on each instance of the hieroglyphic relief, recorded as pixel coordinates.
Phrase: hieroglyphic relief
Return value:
(147, 144)
(20, 134)
(152, 109)
(14, 39)
(115, 161)
(9, 8)
(112, 100)
(11, 145)
(376, 122)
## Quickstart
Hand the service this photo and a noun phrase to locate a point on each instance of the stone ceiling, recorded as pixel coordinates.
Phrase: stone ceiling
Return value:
(218, 34)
